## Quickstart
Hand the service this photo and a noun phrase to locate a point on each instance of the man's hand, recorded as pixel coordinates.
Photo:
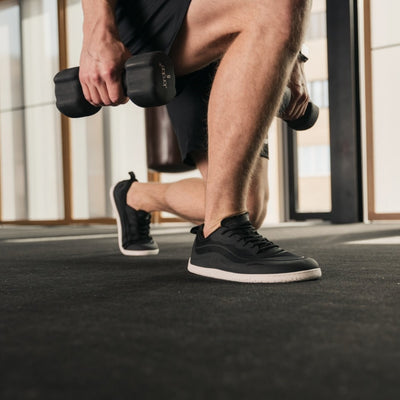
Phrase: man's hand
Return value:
(299, 93)
(103, 55)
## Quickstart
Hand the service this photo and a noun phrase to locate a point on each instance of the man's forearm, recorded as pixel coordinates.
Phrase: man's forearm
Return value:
(99, 14)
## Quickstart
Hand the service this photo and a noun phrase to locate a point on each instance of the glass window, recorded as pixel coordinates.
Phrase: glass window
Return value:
(317, 26)
(42, 121)
(314, 161)
(319, 92)
(31, 173)
(312, 150)
(12, 138)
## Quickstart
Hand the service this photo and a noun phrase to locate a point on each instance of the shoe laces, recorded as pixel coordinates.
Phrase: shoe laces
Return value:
(144, 220)
(139, 225)
(247, 234)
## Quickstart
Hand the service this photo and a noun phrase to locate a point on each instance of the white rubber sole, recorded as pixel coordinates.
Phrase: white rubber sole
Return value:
(125, 252)
(255, 278)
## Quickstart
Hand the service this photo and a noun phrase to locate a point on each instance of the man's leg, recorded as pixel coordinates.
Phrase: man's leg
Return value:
(258, 41)
(186, 198)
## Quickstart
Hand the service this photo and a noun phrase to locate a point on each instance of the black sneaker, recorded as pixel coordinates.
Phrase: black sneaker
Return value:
(237, 252)
(133, 226)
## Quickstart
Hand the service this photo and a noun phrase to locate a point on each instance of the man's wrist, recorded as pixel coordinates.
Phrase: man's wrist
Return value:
(101, 14)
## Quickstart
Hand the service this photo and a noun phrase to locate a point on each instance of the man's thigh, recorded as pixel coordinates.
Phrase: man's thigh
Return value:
(210, 27)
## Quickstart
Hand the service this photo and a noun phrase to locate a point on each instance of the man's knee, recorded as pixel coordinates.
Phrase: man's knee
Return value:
(211, 27)
(286, 20)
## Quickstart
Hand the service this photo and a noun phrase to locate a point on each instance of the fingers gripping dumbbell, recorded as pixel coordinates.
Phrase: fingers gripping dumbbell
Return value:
(306, 121)
(148, 80)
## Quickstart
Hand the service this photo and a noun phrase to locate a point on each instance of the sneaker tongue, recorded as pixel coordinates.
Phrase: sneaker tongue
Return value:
(235, 220)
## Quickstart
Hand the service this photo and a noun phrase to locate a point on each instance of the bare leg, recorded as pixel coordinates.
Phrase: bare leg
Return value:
(258, 41)
(186, 198)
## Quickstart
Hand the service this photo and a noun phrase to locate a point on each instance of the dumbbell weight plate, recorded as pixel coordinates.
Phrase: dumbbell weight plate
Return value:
(303, 123)
(308, 120)
(70, 99)
(150, 79)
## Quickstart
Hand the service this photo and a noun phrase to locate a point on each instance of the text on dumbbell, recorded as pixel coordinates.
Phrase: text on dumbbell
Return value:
(164, 75)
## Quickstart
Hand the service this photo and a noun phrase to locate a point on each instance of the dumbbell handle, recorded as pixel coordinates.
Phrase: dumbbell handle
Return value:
(306, 121)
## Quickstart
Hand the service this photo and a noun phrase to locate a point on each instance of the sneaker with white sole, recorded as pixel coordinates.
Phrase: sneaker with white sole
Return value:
(237, 252)
(133, 225)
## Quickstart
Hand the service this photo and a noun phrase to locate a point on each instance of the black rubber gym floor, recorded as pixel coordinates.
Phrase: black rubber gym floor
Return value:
(80, 321)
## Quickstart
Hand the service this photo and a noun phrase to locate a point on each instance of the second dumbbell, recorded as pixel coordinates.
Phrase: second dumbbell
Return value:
(303, 123)
(148, 80)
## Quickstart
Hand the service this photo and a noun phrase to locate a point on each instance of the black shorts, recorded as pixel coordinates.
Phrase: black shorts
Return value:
(152, 25)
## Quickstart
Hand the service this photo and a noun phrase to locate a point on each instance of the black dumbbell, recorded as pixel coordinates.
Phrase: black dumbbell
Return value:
(148, 80)
(306, 121)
